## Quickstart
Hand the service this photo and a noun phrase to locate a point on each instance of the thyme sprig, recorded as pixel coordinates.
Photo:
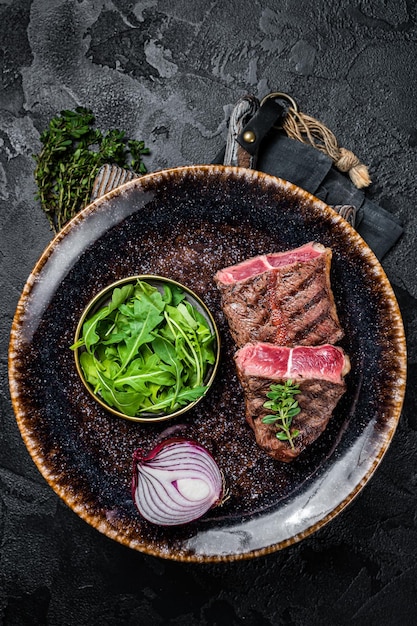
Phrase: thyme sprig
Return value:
(73, 152)
(285, 407)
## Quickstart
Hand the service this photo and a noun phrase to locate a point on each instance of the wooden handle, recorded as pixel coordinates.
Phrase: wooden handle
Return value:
(235, 154)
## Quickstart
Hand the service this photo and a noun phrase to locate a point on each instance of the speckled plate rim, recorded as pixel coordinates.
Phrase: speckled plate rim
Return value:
(369, 452)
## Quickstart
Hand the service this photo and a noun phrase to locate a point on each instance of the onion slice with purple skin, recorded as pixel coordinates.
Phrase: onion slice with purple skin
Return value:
(176, 483)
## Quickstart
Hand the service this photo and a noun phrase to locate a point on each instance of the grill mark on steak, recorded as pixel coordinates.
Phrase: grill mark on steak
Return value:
(308, 307)
(305, 282)
(277, 304)
(315, 330)
(309, 304)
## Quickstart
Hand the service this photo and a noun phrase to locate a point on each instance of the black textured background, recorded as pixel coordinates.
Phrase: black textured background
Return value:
(169, 72)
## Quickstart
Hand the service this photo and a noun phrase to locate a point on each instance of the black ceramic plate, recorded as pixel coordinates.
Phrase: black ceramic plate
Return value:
(185, 224)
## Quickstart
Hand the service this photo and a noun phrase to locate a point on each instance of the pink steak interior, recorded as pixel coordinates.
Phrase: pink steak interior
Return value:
(274, 362)
(258, 265)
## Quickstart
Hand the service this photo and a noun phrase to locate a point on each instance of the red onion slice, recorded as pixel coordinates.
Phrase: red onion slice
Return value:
(176, 483)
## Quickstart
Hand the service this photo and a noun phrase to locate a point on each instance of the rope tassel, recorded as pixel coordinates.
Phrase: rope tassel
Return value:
(307, 129)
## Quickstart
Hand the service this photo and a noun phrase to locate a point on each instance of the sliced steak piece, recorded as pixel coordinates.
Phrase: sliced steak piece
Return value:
(283, 298)
(318, 370)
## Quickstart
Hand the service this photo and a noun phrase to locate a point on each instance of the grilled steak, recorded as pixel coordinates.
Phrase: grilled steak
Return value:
(283, 298)
(319, 371)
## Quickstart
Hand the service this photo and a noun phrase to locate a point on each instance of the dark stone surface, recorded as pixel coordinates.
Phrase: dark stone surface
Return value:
(169, 72)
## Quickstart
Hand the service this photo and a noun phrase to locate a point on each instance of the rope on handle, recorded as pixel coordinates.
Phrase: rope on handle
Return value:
(307, 129)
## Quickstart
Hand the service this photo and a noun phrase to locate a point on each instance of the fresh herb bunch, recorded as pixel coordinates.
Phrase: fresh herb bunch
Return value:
(146, 351)
(73, 152)
(285, 407)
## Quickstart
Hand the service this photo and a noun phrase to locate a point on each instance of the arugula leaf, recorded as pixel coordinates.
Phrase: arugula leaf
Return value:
(167, 353)
(119, 295)
(142, 334)
(126, 402)
(139, 373)
(184, 397)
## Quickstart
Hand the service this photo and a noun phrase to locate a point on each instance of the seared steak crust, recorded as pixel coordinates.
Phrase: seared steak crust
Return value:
(317, 400)
(289, 305)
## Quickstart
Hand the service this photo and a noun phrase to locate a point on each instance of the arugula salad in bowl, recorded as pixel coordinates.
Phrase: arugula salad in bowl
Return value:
(146, 348)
